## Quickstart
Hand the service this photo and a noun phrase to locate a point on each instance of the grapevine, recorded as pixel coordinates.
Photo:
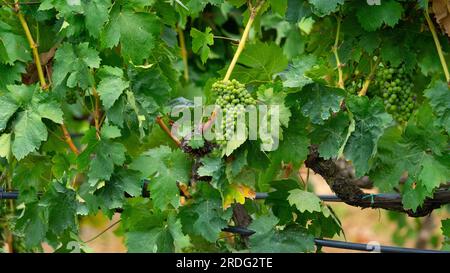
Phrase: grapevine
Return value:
(131, 109)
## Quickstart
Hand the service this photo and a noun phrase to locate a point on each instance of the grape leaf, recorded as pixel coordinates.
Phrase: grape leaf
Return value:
(439, 96)
(211, 219)
(167, 168)
(97, 14)
(273, 95)
(294, 146)
(259, 62)
(150, 230)
(292, 239)
(5, 145)
(370, 122)
(33, 222)
(13, 48)
(110, 132)
(137, 33)
(331, 136)
(318, 101)
(196, 6)
(372, 17)
(11, 74)
(73, 62)
(413, 195)
(111, 86)
(151, 88)
(9, 106)
(106, 155)
(61, 205)
(236, 193)
(29, 132)
(325, 7)
(210, 166)
(278, 201)
(201, 42)
(279, 6)
(295, 75)
(304, 201)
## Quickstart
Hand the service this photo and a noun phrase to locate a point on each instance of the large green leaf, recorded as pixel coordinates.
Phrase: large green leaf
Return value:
(167, 168)
(259, 62)
(292, 239)
(331, 136)
(304, 201)
(370, 122)
(439, 96)
(73, 63)
(150, 230)
(318, 102)
(372, 17)
(325, 7)
(111, 86)
(137, 33)
(295, 76)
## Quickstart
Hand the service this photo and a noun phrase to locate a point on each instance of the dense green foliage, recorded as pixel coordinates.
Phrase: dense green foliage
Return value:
(113, 67)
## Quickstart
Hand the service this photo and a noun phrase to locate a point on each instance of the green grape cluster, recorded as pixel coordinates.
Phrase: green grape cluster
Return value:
(396, 87)
(232, 98)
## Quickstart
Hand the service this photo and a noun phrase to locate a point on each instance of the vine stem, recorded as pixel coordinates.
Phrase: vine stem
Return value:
(438, 45)
(167, 130)
(96, 112)
(69, 140)
(336, 54)
(96, 109)
(369, 79)
(242, 42)
(184, 55)
(37, 61)
(33, 46)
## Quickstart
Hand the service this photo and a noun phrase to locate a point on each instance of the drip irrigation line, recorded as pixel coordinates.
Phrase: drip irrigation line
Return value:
(346, 245)
(372, 247)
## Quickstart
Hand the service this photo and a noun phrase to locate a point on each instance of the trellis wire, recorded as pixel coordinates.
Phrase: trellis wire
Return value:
(385, 197)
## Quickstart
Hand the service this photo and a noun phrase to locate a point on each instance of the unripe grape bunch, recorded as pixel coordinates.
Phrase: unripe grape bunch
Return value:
(232, 98)
(396, 90)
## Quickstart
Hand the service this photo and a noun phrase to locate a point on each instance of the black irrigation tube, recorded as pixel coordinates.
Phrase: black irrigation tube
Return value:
(346, 245)
(319, 242)
(372, 247)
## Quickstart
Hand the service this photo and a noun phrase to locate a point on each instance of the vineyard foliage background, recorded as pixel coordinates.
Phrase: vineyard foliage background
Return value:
(111, 71)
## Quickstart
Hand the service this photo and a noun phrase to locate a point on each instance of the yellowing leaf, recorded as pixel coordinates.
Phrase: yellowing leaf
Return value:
(237, 193)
